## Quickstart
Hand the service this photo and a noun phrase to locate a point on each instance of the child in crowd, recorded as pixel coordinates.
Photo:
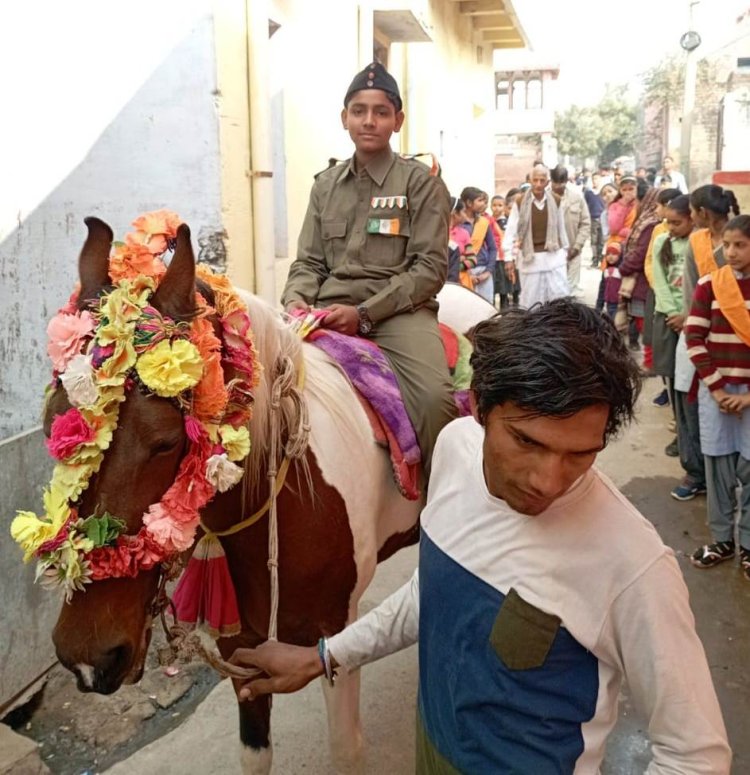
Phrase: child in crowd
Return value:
(483, 241)
(621, 211)
(507, 287)
(718, 341)
(669, 260)
(710, 207)
(461, 258)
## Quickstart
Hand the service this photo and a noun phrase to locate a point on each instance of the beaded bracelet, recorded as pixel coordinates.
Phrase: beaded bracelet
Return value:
(325, 661)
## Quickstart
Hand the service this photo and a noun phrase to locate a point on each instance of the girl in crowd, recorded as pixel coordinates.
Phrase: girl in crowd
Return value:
(710, 207)
(483, 241)
(634, 288)
(621, 212)
(608, 193)
(669, 260)
(461, 258)
(718, 340)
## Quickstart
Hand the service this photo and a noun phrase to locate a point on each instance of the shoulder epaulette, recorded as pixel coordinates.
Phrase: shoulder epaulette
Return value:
(434, 166)
(331, 163)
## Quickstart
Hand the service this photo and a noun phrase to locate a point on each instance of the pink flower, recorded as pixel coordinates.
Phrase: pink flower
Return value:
(69, 431)
(66, 333)
(173, 536)
(126, 559)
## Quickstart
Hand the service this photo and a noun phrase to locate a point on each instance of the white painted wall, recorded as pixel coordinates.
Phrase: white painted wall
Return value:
(112, 114)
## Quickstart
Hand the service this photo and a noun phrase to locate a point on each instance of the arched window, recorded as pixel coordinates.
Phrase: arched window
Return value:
(519, 95)
(503, 95)
(534, 94)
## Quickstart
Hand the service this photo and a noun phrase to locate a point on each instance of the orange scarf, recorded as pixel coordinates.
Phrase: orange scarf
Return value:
(729, 296)
(703, 252)
(479, 233)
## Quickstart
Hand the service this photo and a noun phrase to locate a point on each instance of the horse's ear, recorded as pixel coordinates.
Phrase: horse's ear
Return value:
(175, 295)
(93, 263)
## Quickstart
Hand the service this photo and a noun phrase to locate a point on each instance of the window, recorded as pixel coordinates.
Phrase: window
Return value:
(503, 95)
(534, 94)
(519, 95)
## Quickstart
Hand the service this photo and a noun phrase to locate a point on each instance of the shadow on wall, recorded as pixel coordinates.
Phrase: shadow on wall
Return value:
(161, 150)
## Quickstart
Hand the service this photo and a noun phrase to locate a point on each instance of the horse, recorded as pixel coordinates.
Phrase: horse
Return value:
(339, 514)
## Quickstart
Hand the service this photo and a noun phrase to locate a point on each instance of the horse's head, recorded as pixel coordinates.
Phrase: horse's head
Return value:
(103, 633)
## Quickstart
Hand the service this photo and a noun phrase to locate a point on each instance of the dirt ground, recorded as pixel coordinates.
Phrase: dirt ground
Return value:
(87, 733)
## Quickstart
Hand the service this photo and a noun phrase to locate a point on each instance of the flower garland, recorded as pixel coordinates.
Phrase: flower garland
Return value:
(98, 355)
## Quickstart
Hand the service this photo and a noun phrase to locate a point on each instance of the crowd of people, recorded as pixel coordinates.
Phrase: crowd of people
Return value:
(660, 250)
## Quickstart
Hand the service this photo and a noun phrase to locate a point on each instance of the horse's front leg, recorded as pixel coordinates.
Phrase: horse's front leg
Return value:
(344, 724)
(256, 751)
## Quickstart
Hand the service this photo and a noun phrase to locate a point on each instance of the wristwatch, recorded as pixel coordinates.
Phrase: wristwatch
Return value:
(365, 324)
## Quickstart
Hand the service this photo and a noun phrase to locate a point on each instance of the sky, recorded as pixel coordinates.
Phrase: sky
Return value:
(600, 41)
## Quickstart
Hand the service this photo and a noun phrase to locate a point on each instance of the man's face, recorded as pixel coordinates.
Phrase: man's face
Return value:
(558, 188)
(596, 179)
(668, 164)
(531, 461)
(498, 208)
(371, 119)
(539, 180)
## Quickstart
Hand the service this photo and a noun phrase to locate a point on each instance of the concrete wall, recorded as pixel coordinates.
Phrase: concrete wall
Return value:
(113, 113)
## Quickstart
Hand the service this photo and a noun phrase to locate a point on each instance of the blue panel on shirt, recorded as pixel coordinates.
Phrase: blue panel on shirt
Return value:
(481, 716)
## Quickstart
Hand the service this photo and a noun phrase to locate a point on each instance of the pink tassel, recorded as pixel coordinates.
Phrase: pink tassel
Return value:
(205, 594)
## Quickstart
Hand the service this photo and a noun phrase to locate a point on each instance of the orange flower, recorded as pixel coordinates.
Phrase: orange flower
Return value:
(131, 259)
(158, 222)
(210, 394)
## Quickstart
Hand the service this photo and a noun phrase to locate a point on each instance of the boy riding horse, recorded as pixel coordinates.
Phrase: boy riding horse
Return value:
(373, 251)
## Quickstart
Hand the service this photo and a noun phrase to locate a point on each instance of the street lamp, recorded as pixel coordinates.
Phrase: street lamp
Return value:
(689, 42)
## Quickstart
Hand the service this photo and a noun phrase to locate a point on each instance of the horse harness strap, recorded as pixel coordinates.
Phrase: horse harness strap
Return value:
(279, 482)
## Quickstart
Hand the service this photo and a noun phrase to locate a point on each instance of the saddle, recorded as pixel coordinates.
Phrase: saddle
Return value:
(376, 386)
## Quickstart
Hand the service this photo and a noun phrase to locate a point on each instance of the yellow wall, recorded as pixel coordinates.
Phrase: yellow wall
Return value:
(313, 56)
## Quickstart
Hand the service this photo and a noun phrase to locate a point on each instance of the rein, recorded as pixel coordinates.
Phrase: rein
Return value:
(186, 644)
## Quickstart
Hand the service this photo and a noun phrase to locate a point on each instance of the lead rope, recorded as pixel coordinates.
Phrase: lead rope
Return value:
(186, 644)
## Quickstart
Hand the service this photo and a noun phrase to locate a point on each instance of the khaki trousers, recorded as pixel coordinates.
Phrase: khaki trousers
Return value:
(413, 346)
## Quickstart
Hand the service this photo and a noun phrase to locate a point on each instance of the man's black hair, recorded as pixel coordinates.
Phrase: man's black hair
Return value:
(559, 174)
(554, 359)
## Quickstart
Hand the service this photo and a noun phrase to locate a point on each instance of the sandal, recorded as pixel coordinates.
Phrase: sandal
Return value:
(745, 562)
(712, 554)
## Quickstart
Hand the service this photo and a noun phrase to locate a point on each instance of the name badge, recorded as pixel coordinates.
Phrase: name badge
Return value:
(383, 226)
(389, 201)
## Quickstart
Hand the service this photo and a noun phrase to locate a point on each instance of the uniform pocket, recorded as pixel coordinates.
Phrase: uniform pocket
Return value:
(522, 635)
(388, 231)
(333, 235)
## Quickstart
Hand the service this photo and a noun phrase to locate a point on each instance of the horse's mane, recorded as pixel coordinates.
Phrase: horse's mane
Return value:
(273, 340)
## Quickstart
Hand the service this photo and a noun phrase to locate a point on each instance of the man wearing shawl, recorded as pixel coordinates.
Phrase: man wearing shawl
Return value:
(536, 241)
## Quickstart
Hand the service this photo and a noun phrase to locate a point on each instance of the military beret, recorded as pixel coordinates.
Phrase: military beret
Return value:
(374, 76)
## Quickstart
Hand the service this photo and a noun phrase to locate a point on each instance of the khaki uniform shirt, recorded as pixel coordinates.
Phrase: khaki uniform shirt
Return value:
(376, 237)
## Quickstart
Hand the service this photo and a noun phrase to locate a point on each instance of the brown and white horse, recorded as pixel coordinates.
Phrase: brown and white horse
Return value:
(339, 514)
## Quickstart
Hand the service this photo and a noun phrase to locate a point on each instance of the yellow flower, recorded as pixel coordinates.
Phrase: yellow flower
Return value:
(170, 368)
(235, 441)
(30, 532)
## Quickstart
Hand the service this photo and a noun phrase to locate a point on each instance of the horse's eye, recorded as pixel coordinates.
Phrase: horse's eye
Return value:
(164, 446)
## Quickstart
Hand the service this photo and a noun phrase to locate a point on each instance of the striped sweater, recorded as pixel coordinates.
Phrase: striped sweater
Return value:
(718, 354)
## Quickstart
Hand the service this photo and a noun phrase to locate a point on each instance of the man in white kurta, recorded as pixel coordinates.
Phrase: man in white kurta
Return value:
(536, 241)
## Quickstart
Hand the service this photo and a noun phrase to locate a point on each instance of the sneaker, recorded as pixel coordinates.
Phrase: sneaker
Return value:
(712, 554)
(662, 399)
(687, 491)
(671, 449)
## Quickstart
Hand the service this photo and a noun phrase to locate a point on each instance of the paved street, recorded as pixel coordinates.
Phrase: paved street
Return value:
(207, 741)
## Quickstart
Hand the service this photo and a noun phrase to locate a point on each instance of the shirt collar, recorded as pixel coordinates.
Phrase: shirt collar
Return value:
(377, 168)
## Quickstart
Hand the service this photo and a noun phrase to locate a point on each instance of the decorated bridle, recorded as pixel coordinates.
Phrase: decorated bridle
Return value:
(117, 343)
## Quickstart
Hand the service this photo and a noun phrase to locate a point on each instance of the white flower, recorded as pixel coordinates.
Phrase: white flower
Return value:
(222, 473)
(78, 381)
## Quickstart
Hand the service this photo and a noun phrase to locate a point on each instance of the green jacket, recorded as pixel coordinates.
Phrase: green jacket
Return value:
(668, 281)
(376, 237)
